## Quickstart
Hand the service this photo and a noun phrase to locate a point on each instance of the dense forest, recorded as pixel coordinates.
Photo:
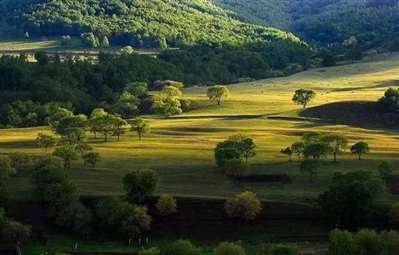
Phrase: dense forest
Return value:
(375, 23)
(139, 23)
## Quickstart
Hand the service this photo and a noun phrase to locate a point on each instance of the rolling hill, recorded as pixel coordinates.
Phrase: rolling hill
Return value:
(373, 22)
(140, 23)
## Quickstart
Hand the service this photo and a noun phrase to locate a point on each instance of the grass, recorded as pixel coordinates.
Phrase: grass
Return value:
(181, 148)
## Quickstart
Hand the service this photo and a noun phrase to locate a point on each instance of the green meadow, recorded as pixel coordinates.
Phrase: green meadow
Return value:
(181, 148)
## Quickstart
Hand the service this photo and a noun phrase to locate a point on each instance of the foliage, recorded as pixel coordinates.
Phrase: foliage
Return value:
(91, 158)
(394, 214)
(74, 217)
(238, 148)
(350, 198)
(67, 153)
(360, 149)
(141, 126)
(118, 217)
(390, 101)
(281, 249)
(166, 205)
(288, 152)
(303, 97)
(385, 171)
(180, 247)
(341, 243)
(45, 141)
(336, 142)
(229, 249)
(218, 94)
(245, 206)
(140, 184)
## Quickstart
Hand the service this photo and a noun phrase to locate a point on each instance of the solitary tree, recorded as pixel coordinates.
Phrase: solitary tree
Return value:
(141, 127)
(310, 167)
(45, 141)
(218, 94)
(67, 153)
(245, 206)
(140, 184)
(360, 148)
(166, 205)
(303, 97)
(337, 143)
(91, 158)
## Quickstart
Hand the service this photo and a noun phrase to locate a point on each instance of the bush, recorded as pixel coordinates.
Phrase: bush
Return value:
(394, 214)
(368, 242)
(150, 251)
(74, 217)
(140, 184)
(390, 242)
(181, 247)
(14, 231)
(341, 243)
(282, 249)
(166, 205)
(244, 206)
(229, 249)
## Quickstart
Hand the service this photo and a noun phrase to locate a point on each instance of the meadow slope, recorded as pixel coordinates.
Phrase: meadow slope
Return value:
(181, 148)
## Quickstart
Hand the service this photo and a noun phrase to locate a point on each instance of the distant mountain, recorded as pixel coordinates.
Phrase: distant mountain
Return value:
(141, 23)
(375, 23)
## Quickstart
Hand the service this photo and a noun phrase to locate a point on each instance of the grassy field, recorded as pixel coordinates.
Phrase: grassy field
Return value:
(181, 148)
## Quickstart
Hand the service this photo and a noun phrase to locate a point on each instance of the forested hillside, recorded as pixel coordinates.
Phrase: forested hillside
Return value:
(139, 23)
(375, 23)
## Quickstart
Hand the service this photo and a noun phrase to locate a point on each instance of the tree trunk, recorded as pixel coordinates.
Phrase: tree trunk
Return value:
(335, 156)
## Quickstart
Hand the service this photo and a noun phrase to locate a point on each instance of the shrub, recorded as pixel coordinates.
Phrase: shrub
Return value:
(181, 247)
(140, 184)
(394, 214)
(166, 205)
(368, 242)
(390, 242)
(341, 243)
(14, 231)
(244, 206)
(282, 249)
(229, 249)
(74, 217)
(150, 251)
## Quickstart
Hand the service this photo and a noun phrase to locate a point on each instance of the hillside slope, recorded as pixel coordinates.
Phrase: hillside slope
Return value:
(145, 23)
(375, 23)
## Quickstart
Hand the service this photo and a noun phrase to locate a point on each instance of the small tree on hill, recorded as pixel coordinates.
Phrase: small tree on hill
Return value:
(166, 205)
(360, 149)
(91, 158)
(141, 126)
(45, 141)
(303, 97)
(218, 94)
(67, 153)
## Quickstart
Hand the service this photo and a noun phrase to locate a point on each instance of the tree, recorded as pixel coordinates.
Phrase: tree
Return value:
(141, 126)
(360, 149)
(166, 205)
(316, 150)
(229, 249)
(15, 232)
(390, 101)
(74, 217)
(310, 167)
(350, 197)
(91, 158)
(298, 148)
(341, 243)
(218, 94)
(140, 184)
(118, 127)
(167, 106)
(95, 120)
(127, 105)
(245, 206)
(45, 141)
(303, 97)
(67, 153)
(235, 148)
(138, 89)
(105, 42)
(288, 152)
(337, 143)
